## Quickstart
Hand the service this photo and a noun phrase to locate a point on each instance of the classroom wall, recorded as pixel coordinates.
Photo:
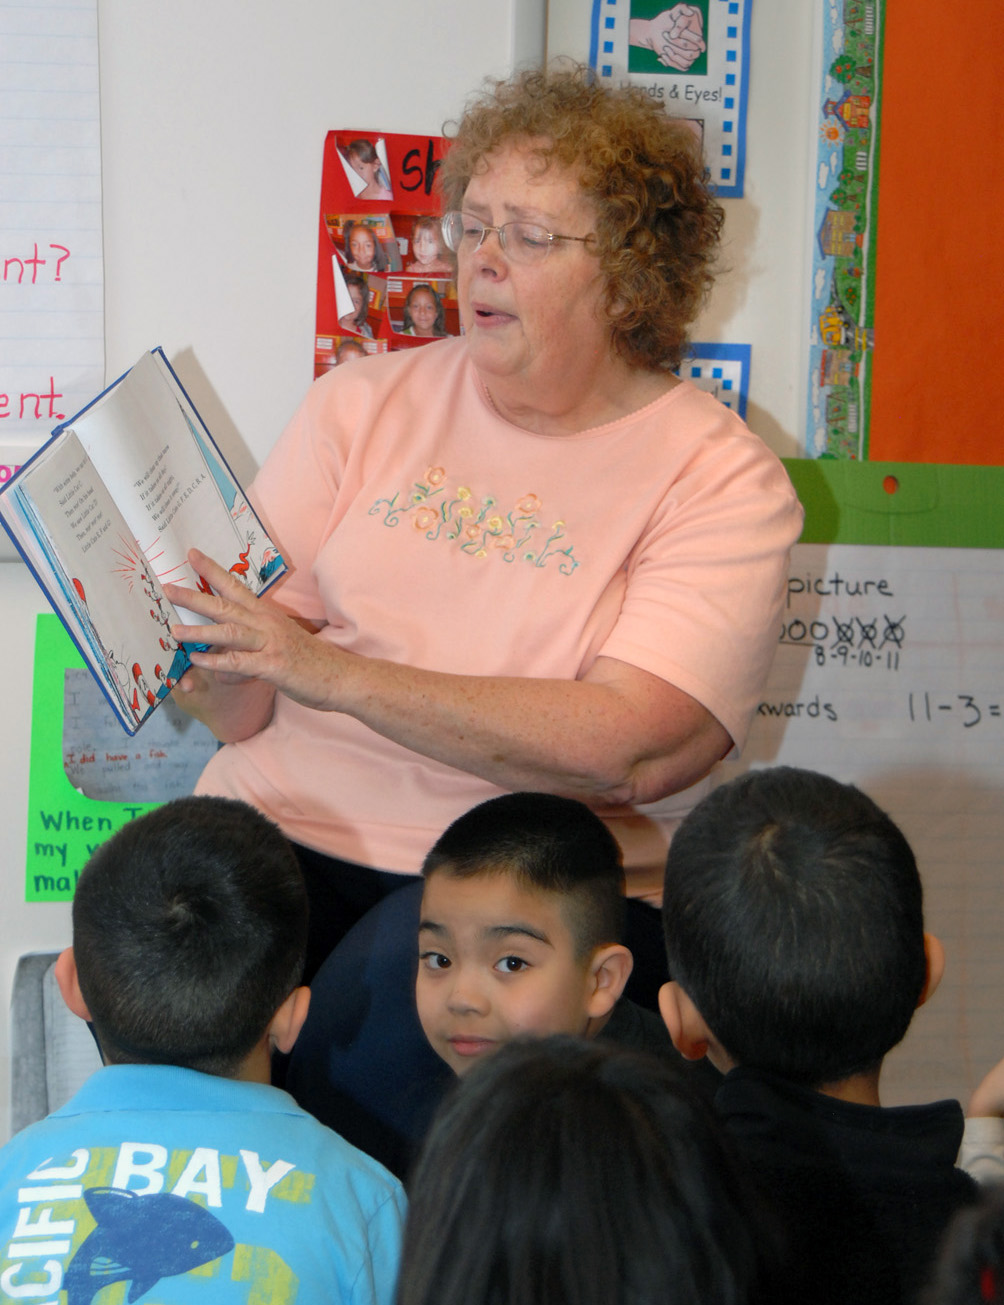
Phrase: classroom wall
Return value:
(213, 119)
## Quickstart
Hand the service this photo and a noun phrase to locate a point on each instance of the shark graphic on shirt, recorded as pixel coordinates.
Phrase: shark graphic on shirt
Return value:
(141, 1239)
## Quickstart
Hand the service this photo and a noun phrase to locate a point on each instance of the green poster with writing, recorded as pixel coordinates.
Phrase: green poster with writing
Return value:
(87, 777)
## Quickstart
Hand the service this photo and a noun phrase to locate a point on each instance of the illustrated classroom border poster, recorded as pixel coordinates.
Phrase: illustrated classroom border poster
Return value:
(842, 265)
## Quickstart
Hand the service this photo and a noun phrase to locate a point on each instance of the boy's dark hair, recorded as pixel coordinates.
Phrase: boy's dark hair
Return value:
(793, 918)
(189, 932)
(547, 844)
(568, 1170)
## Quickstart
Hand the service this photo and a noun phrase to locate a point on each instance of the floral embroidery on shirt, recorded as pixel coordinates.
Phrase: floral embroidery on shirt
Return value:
(479, 527)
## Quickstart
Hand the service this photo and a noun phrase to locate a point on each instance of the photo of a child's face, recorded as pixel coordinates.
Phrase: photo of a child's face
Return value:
(428, 254)
(368, 160)
(362, 248)
(426, 246)
(367, 168)
(423, 308)
(349, 351)
(352, 321)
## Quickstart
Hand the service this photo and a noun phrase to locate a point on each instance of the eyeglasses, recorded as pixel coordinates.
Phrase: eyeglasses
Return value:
(522, 242)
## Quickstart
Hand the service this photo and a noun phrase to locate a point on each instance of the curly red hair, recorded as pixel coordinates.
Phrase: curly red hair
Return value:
(657, 221)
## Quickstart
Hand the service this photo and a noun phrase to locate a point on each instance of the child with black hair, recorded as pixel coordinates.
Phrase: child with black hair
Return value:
(794, 934)
(424, 313)
(518, 921)
(177, 1163)
(572, 1171)
(520, 933)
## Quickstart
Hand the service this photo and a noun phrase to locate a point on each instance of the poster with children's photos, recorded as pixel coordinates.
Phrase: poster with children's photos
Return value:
(385, 279)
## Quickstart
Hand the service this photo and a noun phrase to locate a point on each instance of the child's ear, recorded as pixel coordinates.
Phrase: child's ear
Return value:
(65, 971)
(687, 1029)
(609, 970)
(288, 1020)
(934, 954)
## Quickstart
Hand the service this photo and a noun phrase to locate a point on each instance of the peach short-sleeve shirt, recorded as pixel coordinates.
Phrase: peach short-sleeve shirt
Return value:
(424, 528)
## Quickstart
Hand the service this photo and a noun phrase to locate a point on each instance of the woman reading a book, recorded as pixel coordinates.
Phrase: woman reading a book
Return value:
(529, 557)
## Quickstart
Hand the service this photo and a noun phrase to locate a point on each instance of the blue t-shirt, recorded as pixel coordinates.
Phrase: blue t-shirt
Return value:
(193, 1188)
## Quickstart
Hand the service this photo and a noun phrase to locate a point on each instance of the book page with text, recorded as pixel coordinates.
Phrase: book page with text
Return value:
(149, 447)
(107, 593)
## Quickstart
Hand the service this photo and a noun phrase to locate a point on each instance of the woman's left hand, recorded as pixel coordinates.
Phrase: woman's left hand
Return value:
(252, 637)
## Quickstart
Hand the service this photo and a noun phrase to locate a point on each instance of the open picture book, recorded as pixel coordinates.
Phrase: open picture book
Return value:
(107, 510)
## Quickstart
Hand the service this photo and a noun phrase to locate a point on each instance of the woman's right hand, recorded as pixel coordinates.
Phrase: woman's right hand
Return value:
(232, 704)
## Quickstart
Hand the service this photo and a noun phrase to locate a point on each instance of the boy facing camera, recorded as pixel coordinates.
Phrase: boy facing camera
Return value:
(518, 925)
(177, 1166)
(520, 932)
(794, 932)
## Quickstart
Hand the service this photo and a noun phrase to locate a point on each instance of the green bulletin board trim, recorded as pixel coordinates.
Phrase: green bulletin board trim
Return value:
(64, 826)
(931, 506)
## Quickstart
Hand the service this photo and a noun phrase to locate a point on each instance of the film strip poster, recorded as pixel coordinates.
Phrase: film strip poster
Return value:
(845, 221)
(692, 58)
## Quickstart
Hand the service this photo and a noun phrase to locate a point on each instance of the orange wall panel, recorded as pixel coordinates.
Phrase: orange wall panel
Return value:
(938, 363)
